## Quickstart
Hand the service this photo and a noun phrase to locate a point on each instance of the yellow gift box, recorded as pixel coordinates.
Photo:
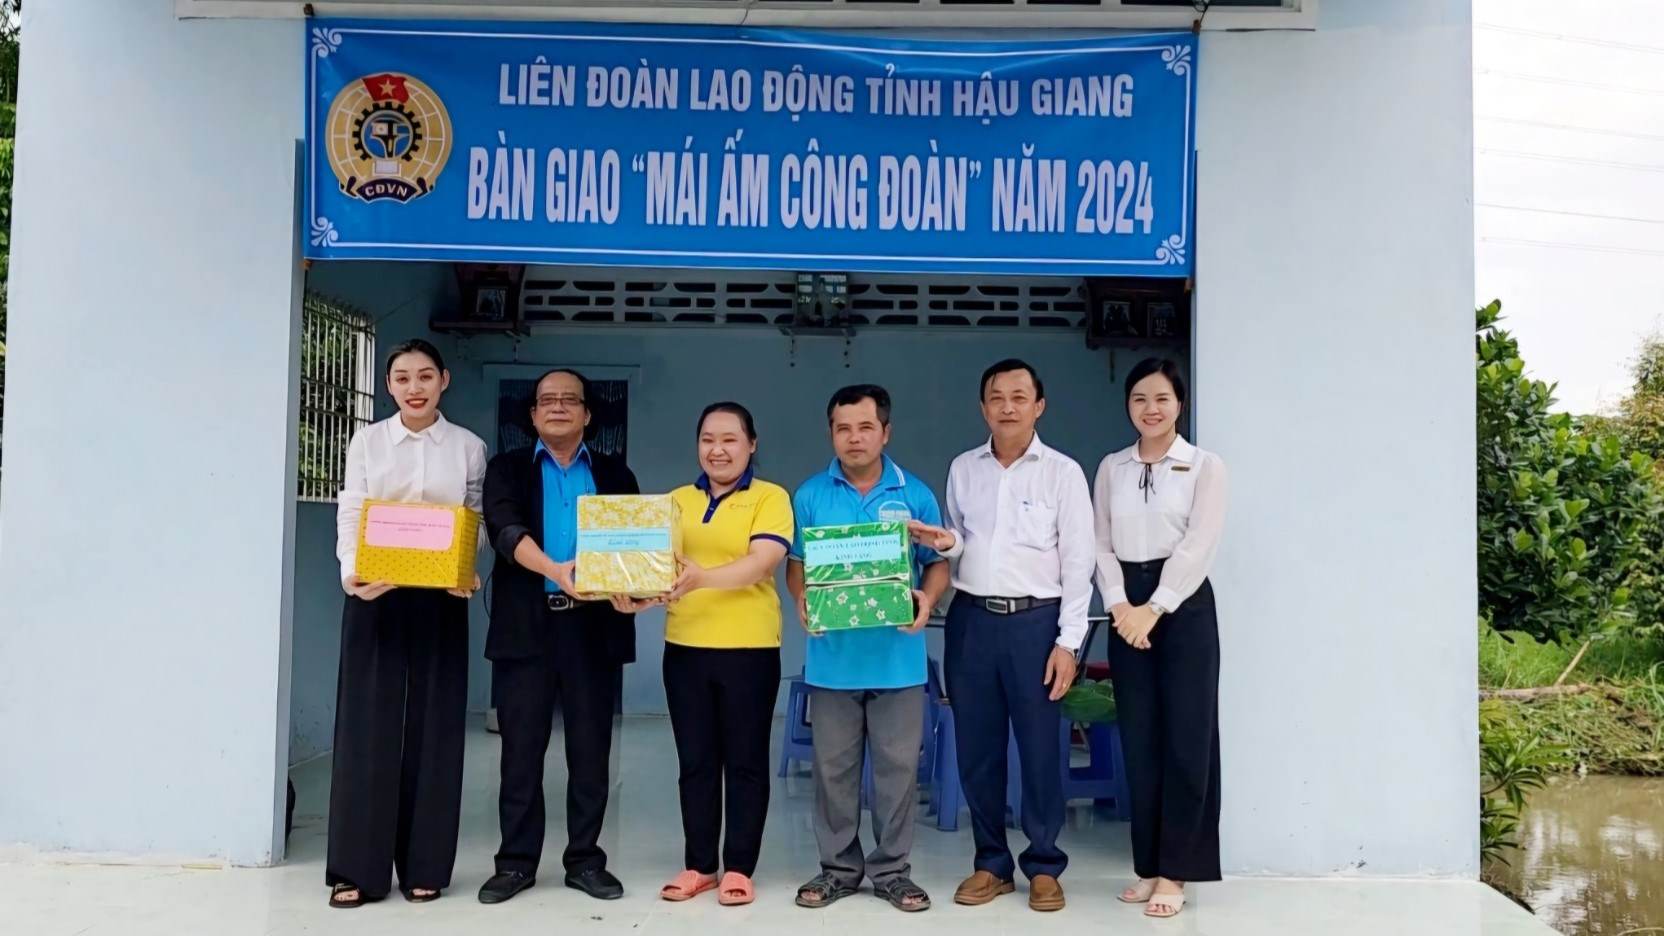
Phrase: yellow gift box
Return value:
(417, 545)
(627, 544)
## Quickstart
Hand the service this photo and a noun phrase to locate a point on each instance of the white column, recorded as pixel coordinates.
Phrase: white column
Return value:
(149, 478)
(1334, 362)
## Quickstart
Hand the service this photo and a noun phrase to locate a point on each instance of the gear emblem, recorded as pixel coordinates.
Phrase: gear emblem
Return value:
(389, 136)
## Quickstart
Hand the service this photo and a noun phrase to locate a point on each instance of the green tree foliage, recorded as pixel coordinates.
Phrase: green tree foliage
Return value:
(1512, 764)
(1563, 507)
(1639, 422)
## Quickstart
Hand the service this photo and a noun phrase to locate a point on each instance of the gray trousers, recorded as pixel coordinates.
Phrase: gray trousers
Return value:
(845, 723)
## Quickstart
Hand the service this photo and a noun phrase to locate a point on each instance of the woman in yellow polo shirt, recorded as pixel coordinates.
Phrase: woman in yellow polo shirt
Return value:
(722, 654)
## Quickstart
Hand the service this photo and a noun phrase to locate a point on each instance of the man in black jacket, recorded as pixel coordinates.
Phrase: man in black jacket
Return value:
(545, 644)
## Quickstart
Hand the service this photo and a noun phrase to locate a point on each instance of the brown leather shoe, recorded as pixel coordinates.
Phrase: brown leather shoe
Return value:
(980, 888)
(1045, 894)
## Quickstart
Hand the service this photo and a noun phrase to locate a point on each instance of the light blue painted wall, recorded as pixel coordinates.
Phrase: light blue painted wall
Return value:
(149, 483)
(1335, 373)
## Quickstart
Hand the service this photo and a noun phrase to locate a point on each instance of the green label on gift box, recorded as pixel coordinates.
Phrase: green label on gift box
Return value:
(856, 552)
(853, 607)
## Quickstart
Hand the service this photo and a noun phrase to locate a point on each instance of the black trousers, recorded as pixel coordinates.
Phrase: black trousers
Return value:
(1167, 698)
(995, 667)
(583, 676)
(721, 712)
(401, 700)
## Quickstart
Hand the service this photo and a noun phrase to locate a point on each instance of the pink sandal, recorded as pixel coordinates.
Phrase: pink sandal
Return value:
(736, 890)
(687, 885)
(1164, 906)
(1138, 893)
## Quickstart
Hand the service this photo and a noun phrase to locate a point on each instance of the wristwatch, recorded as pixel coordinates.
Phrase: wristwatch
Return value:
(1158, 609)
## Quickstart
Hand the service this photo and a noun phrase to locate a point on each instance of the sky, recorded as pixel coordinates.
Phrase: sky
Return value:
(1569, 184)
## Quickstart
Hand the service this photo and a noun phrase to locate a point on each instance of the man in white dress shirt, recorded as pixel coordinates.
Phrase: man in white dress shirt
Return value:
(1019, 531)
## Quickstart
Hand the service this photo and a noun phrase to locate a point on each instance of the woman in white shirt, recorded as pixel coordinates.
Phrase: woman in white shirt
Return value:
(401, 697)
(1160, 509)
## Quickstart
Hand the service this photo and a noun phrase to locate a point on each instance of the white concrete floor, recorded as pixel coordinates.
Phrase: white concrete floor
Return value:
(643, 838)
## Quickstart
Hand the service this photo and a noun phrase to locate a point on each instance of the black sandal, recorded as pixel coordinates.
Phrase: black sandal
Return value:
(336, 901)
(411, 895)
(898, 891)
(823, 890)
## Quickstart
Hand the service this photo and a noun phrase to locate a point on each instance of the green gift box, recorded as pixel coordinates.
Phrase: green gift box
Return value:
(861, 605)
(856, 552)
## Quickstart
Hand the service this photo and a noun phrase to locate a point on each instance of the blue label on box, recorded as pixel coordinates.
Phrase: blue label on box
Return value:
(648, 539)
(883, 548)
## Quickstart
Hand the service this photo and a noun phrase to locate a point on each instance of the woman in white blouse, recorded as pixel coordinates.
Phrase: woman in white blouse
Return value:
(1160, 509)
(401, 697)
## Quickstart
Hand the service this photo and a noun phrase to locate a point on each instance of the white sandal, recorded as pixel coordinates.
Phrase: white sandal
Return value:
(1141, 891)
(1164, 906)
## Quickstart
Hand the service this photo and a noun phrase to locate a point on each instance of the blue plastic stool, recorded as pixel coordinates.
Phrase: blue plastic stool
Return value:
(799, 743)
(1103, 779)
(933, 706)
(946, 798)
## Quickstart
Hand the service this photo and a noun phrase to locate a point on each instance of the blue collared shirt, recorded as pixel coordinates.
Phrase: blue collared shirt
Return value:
(883, 658)
(561, 489)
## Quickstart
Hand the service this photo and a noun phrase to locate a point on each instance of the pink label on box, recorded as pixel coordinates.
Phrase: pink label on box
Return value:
(409, 527)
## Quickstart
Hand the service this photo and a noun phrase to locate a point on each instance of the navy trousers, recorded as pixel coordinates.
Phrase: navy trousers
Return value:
(401, 709)
(1167, 700)
(995, 664)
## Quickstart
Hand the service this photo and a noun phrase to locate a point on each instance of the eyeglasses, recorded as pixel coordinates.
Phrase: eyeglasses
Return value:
(570, 401)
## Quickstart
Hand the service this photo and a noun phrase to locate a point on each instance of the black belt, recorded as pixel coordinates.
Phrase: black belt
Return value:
(560, 602)
(1011, 605)
(1153, 565)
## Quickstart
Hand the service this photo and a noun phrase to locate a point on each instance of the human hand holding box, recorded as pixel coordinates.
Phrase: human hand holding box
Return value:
(627, 544)
(417, 545)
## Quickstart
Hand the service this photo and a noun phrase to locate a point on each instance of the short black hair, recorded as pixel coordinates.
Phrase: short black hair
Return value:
(732, 408)
(582, 382)
(1166, 367)
(855, 393)
(1007, 366)
(415, 346)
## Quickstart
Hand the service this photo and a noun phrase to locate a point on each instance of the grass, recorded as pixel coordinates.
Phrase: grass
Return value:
(1524, 663)
(1620, 733)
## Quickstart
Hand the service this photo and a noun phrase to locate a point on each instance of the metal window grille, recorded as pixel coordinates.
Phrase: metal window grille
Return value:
(337, 392)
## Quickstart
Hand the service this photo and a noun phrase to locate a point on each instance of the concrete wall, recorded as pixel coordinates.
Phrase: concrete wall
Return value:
(1334, 249)
(149, 483)
(1335, 373)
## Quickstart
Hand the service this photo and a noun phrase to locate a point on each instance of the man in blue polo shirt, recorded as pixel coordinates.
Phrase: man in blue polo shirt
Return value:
(867, 687)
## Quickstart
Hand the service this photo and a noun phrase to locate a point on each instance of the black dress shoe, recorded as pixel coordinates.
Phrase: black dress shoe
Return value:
(598, 883)
(504, 885)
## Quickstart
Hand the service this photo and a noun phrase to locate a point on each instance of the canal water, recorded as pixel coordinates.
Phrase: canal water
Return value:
(1591, 856)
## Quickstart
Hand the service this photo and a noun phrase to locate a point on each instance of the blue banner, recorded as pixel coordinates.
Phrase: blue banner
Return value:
(743, 148)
